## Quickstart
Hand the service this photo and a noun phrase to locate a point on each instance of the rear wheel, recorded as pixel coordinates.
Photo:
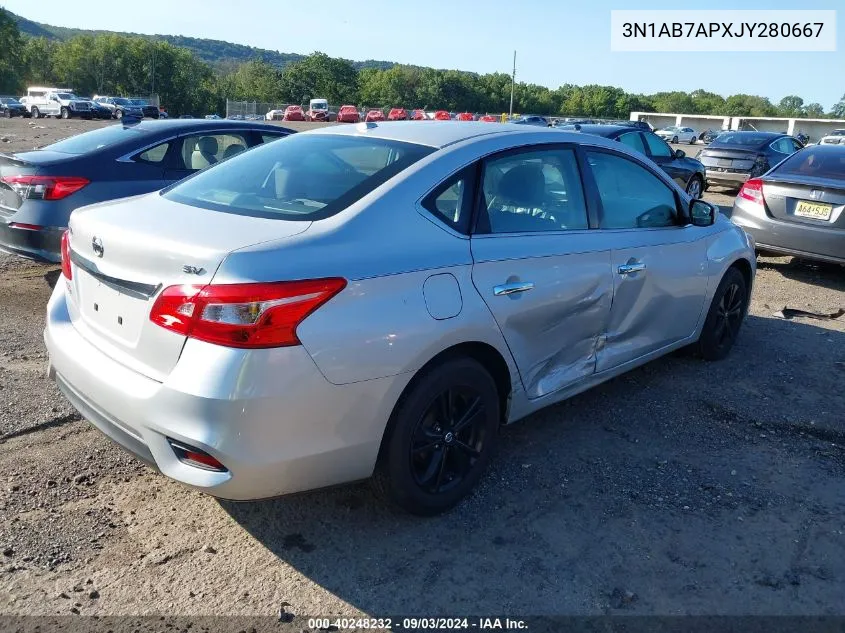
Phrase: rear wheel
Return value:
(440, 438)
(692, 139)
(725, 316)
(8, 114)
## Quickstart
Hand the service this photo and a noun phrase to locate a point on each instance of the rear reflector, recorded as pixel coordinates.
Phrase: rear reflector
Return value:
(45, 187)
(752, 191)
(255, 315)
(25, 227)
(192, 456)
(66, 270)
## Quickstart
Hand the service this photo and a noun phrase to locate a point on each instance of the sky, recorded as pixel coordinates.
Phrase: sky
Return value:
(556, 41)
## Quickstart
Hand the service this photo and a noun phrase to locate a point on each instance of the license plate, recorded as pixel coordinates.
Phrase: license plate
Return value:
(814, 210)
(724, 162)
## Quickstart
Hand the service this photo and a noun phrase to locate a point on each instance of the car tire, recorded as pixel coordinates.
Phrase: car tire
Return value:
(65, 113)
(724, 319)
(692, 140)
(35, 113)
(675, 140)
(440, 438)
(118, 114)
(8, 114)
(694, 187)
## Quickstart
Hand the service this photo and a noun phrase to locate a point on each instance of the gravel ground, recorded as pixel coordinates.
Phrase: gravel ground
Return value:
(681, 487)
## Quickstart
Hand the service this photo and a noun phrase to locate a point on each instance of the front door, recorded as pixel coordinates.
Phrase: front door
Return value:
(544, 275)
(659, 267)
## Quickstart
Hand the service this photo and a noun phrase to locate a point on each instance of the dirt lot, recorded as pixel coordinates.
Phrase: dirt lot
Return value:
(682, 487)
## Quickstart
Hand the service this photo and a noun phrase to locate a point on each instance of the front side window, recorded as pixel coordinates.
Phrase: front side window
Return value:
(634, 141)
(631, 196)
(532, 191)
(657, 146)
(304, 177)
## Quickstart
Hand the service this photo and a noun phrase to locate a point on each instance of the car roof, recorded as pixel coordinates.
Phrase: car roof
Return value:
(761, 133)
(437, 133)
(605, 130)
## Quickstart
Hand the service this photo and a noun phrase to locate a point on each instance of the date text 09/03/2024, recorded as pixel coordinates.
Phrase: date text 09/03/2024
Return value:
(417, 624)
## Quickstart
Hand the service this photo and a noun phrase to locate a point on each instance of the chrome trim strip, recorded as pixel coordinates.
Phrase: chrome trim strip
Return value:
(132, 288)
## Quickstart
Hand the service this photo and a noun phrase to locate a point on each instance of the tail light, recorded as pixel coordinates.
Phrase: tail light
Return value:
(752, 191)
(255, 315)
(45, 187)
(66, 271)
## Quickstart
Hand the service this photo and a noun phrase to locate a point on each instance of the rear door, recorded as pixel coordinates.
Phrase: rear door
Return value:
(661, 153)
(659, 267)
(544, 275)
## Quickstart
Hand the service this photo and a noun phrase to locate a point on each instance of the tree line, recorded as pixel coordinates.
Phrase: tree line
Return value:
(125, 65)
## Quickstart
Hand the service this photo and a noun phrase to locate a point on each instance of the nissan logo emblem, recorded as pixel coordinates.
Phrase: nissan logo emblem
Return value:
(97, 245)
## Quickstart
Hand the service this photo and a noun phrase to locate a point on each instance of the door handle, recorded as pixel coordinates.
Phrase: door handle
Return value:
(513, 288)
(628, 269)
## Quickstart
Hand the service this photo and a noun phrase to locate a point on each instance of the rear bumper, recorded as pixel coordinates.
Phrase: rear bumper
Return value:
(799, 240)
(269, 415)
(44, 244)
(716, 177)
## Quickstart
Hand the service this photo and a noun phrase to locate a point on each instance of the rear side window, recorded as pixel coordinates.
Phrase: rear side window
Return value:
(304, 177)
(154, 154)
(814, 162)
(452, 201)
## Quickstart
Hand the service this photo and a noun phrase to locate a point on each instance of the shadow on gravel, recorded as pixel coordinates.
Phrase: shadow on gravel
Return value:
(831, 276)
(52, 277)
(43, 426)
(683, 486)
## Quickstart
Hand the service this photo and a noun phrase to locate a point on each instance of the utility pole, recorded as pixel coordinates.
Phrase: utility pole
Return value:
(153, 72)
(513, 82)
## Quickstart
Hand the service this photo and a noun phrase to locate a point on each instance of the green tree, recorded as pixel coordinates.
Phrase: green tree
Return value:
(11, 54)
(319, 76)
(839, 109)
(814, 110)
(791, 106)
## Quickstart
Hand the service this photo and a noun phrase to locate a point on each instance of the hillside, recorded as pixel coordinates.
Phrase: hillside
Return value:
(214, 52)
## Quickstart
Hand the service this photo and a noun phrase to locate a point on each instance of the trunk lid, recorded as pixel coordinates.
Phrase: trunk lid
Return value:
(12, 165)
(125, 252)
(805, 200)
(728, 157)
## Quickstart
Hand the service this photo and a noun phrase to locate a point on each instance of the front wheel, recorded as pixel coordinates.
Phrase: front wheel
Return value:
(35, 113)
(65, 113)
(694, 188)
(675, 140)
(725, 316)
(118, 114)
(440, 438)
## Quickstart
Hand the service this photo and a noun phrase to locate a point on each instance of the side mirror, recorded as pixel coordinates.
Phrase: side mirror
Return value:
(679, 153)
(702, 213)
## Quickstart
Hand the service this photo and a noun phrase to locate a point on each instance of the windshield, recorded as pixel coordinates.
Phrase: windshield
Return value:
(94, 140)
(121, 101)
(8, 100)
(67, 96)
(319, 105)
(838, 133)
(302, 177)
(818, 163)
(743, 138)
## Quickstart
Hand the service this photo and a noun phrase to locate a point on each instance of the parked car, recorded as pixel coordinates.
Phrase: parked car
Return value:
(735, 156)
(531, 120)
(796, 207)
(100, 111)
(397, 114)
(707, 136)
(836, 137)
(120, 107)
(269, 273)
(418, 115)
(148, 110)
(572, 121)
(191, 116)
(676, 134)
(274, 115)
(318, 110)
(488, 118)
(294, 113)
(442, 115)
(10, 106)
(801, 137)
(348, 114)
(465, 116)
(57, 102)
(687, 172)
(375, 115)
(40, 188)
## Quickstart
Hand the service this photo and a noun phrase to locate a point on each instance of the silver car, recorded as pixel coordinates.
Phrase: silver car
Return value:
(798, 207)
(377, 299)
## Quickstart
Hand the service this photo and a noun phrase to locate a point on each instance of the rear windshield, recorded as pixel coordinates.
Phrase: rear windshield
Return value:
(819, 163)
(94, 140)
(745, 139)
(302, 177)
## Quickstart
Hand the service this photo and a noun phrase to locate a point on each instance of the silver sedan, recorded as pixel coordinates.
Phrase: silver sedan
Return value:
(378, 299)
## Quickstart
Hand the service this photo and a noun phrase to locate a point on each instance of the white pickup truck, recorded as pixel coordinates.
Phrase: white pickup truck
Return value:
(57, 102)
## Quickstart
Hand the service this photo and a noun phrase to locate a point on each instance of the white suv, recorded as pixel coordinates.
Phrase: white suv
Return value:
(57, 102)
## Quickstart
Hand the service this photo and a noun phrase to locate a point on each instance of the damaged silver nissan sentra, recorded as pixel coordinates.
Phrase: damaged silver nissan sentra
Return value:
(377, 299)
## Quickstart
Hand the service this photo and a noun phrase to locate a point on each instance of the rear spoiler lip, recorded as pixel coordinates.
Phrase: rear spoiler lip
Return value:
(12, 159)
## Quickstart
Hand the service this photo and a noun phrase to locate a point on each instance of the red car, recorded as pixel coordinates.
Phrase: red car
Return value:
(348, 114)
(488, 118)
(294, 113)
(418, 115)
(398, 114)
(375, 115)
(317, 115)
(465, 116)
(442, 115)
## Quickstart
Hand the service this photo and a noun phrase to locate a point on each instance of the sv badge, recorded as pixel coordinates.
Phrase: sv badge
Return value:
(193, 270)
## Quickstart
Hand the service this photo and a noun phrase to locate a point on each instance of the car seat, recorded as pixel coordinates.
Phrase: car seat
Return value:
(233, 149)
(205, 153)
(521, 192)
